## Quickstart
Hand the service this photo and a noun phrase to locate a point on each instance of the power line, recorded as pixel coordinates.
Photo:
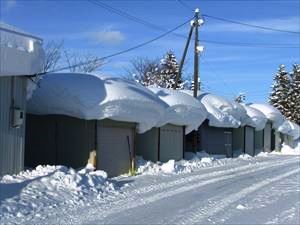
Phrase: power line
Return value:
(156, 27)
(250, 25)
(123, 51)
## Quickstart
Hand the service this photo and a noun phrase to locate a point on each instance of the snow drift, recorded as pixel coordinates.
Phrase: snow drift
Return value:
(88, 96)
(189, 111)
(50, 186)
(255, 118)
(271, 113)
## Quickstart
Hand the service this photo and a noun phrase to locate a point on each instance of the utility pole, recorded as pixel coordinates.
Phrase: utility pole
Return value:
(196, 54)
(197, 49)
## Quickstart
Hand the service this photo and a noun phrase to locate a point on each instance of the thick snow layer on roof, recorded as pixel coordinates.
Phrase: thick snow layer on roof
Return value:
(290, 128)
(89, 97)
(20, 52)
(222, 113)
(271, 113)
(189, 111)
(255, 118)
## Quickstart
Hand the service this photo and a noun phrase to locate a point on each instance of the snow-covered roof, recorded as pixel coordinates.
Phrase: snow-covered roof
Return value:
(255, 118)
(21, 53)
(88, 96)
(290, 128)
(221, 112)
(189, 111)
(270, 112)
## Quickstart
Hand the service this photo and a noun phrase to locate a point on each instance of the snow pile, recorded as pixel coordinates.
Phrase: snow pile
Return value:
(52, 187)
(222, 113)
(88, 96)
(271, 113)
(255, 118)
(189, 111)
(194, 162)
(20, 53)
(288, 150)
(290, 128)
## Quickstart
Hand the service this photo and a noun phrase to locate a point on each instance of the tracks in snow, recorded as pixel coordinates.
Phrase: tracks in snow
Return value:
(196, 214)
(167, 190)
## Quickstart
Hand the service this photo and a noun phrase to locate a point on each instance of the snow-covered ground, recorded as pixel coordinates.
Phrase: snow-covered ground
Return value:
(203, 189)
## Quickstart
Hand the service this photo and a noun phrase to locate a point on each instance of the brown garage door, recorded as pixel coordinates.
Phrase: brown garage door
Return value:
(113, 149)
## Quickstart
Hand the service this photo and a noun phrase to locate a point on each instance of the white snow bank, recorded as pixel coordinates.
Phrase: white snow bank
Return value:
(255, 118)
(195, 161)
(271, 113)
(221, 112)
(290, 128)
(50, 186)
(20, 52)
(189, 111)
(288, 150)
(88, 96)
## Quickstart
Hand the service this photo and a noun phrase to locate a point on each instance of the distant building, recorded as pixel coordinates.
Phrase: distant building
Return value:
(21, 56)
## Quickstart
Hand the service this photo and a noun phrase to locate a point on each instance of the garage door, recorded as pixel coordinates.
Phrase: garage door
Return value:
(114, 145)
(259, 142)
(171, 143)
(267, 138)
(228, 143)
(249, 141)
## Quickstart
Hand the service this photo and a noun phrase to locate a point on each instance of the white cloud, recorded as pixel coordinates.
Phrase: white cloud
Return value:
(288, 23)
(111, 37)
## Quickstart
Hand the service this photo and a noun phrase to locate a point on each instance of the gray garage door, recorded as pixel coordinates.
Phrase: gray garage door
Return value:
(267, 138)
(171, 142)
(249, 141)
(113, 149)
(228, 143)
(259, 142)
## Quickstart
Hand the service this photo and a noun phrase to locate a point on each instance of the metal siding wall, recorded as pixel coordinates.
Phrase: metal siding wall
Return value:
(259, 141)
(58, 139)
(213, 140)
(267, 138)
(147, 145)
(238, 140)
(249, 141)
(11, 139)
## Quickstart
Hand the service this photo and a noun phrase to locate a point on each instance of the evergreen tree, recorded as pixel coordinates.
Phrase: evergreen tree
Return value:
(169, 69)
(294, 95)
(280, 92)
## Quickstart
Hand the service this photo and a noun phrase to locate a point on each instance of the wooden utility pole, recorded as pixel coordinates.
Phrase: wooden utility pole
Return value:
(194, 24)
(196, 54)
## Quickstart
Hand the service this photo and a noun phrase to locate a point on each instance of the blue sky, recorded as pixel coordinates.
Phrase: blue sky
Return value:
(224, 69)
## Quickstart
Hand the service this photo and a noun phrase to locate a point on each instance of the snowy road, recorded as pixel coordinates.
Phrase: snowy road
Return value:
(253, 191)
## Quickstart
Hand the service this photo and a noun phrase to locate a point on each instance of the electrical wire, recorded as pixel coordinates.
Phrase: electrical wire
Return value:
(250, 25)
(156, 27)
(123, 51)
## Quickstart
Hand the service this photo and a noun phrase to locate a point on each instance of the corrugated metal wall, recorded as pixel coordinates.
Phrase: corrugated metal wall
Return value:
(147, 144)
(58, 140)
(267, 137)
(215, 140)
(238, 140)
(11, 139)
(259, 141)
